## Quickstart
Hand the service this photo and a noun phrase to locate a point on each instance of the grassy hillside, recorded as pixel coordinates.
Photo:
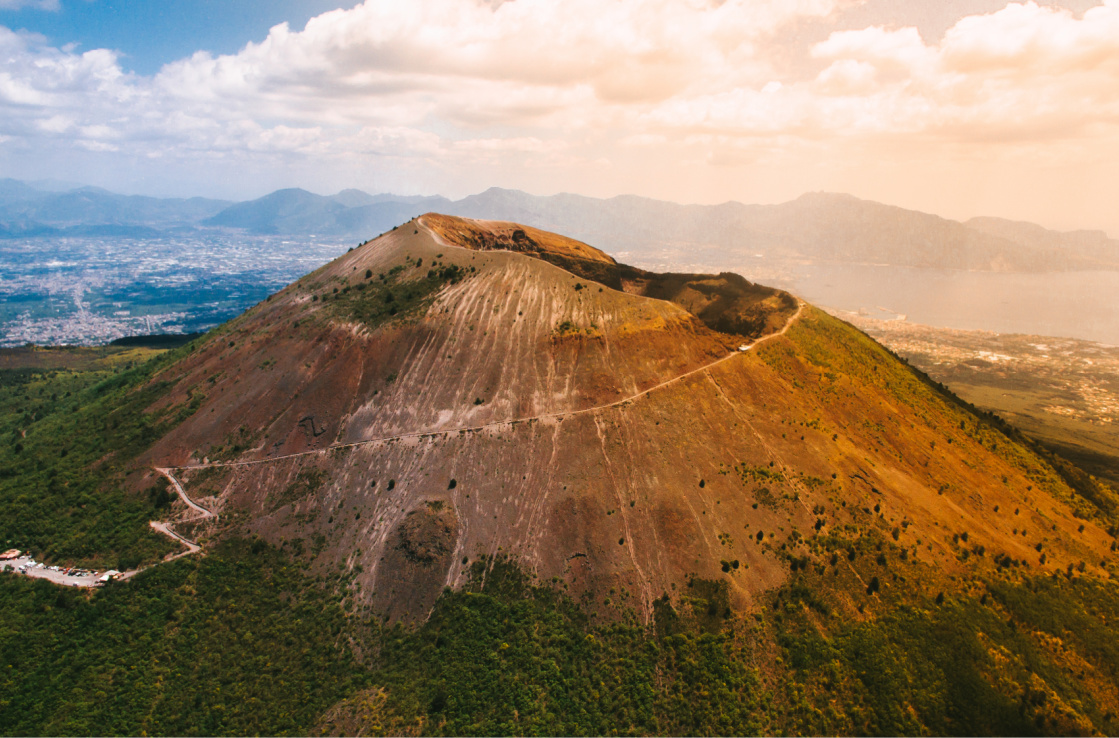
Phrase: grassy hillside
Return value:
(1061, 391)
(826, 346)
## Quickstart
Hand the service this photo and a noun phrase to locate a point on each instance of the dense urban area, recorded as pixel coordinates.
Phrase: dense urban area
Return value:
(89, 291)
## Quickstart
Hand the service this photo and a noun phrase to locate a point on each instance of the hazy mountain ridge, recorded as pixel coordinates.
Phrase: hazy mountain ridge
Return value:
(816, 227)
(297, 211)
(41, 212)
(1092, 244)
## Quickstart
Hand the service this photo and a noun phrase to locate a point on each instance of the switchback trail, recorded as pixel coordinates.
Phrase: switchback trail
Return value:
(156, 525)
(485, 426)
(167, 530)
(203, 513)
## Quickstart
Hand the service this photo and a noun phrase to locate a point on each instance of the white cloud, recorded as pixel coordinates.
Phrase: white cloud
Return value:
(848, 77)
(56, 124)
(645, 139)
(523, 144)
(457, 66)
(481, 90)
(51, 5)
(473, 63)
(900, 49)
(1028, 40)
(392, 141)
(1025, 71)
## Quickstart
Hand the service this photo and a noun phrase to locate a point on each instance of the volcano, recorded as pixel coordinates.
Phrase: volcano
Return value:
(458, 392)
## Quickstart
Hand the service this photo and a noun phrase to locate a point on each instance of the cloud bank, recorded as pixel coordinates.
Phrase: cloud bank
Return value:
(35, 4)
(684, 99)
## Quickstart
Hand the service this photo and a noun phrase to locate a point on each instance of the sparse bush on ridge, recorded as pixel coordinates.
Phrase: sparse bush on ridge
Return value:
(374, 305)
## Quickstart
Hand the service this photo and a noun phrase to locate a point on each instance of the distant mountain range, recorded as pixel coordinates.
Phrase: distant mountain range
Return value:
(40, 209)
(350, 213)
(816, 227)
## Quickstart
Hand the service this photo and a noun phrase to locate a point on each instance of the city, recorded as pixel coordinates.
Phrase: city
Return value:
(90, 291)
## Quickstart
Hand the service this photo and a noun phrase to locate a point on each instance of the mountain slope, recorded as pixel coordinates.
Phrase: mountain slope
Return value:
(287, 211)
(91, 206)
(296, 211)
(496, 404)
(463, 489)
(1078, 246)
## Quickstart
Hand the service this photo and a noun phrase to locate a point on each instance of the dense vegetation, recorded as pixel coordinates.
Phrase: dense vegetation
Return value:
(1026, 658)
(996, 664)
(236, 642)
(509, 658)
(65, 439)
(241, 642)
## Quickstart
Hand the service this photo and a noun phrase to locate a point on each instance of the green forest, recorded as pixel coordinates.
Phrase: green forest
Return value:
(65, 439)
(242, 642)
(245, 640)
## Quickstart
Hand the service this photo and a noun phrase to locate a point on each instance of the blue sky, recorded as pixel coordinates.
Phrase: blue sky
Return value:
(150, 33)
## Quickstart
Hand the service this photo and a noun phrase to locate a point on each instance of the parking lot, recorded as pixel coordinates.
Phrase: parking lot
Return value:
(59, 575)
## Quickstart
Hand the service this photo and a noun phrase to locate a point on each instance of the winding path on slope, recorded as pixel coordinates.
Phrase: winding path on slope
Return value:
(167, 472)
(203, 513)
(167, 530)
(156, 525)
